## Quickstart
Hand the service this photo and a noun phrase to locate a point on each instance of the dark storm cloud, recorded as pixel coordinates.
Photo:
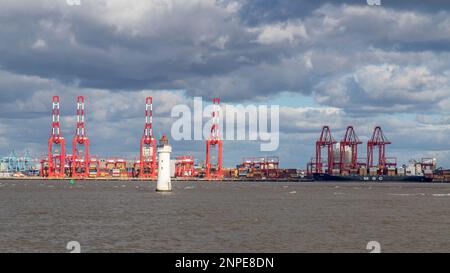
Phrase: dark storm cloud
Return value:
(207, 47)
(77, 46)
(255, 12)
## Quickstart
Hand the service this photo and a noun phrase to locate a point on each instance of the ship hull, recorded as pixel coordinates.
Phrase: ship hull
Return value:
(379, 178)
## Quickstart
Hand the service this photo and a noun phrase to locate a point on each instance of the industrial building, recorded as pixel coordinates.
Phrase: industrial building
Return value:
(14, 165)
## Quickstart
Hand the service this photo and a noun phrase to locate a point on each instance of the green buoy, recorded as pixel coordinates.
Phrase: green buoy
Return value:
(72, 182)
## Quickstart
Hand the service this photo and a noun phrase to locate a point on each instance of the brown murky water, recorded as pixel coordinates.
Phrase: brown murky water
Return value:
(42, 216)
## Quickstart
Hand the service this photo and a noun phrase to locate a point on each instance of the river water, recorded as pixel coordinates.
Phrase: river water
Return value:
(43, 216)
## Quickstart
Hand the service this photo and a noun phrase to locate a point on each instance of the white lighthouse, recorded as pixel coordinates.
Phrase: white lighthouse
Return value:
(164, 150)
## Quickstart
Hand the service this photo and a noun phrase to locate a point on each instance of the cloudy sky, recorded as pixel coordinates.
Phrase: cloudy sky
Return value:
(323, 62)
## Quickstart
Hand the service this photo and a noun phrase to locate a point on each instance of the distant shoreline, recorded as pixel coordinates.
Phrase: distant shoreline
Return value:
(293, 180)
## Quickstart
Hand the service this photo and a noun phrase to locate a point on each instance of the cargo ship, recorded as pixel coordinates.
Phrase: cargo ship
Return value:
(370, 178)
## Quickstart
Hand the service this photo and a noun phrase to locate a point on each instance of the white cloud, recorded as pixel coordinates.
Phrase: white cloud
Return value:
(370, 23)
(39, 44)
(153, 17)
(409, 83)
(376, 88)
(301, 119)
(289, 32)
(221, 42)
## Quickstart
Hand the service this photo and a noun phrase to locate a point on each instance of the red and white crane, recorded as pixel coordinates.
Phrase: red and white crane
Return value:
(147, 162)
(80, 157)
(325, 140)
(352, 141)
(214, 170)
(379, 141)
(56, 157)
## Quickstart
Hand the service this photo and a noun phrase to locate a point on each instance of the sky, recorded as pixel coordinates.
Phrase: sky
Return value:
(335, 63)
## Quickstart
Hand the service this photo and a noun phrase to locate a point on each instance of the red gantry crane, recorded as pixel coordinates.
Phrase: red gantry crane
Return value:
(214, 170)
(184, 166)
(352, 141)
(326, 140)
(147, 163)
(380, 141)
(56, 157)
(80, 157)
(270, 166)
